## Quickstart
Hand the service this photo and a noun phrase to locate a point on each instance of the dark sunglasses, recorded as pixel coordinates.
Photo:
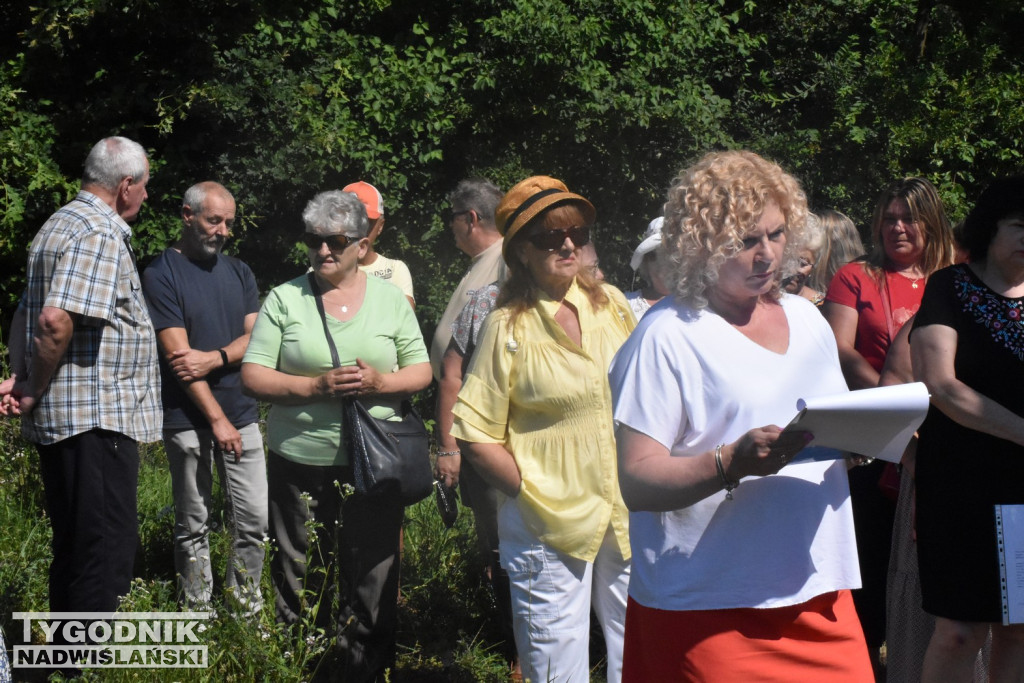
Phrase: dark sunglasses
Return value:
(449, 215)
(334, 242)
(552, 240)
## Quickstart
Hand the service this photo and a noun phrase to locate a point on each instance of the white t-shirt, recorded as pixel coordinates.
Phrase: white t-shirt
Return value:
(392, 270)
(638, 303)
(691, 381)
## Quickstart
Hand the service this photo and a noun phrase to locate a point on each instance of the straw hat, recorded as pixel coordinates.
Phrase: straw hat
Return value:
(528, 199)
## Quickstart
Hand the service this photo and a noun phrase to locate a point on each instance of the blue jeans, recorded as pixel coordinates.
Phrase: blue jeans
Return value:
(191, 454)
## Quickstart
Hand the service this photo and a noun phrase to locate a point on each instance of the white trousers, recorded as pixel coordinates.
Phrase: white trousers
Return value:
(552, 595)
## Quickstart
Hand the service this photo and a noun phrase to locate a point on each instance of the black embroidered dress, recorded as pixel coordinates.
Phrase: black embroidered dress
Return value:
(963, 473)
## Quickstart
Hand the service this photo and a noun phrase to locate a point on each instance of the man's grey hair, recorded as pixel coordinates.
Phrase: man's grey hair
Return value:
(479, 195)
(196, 195)
(111, 160)
(335, 211)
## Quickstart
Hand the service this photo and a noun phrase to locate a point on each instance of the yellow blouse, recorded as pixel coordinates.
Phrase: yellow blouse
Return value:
(548, 402)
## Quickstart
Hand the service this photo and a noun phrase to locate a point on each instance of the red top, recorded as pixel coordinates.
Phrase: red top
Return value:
(853, 286)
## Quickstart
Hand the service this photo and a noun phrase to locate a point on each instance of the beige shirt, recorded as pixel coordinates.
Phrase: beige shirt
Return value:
(486, 267)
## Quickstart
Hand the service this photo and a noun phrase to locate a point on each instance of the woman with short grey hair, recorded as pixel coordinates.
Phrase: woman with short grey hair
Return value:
(318, 527)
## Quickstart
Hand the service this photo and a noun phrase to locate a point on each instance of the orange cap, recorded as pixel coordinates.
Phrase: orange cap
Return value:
(369, 196)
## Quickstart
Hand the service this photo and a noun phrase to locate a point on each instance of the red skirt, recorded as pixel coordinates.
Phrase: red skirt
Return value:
(820, 640)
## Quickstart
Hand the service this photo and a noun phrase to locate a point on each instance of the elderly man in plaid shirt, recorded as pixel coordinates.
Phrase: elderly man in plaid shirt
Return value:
(85, 378)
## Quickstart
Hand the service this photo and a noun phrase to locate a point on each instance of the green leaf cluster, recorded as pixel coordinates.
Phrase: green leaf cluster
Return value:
(281, 100)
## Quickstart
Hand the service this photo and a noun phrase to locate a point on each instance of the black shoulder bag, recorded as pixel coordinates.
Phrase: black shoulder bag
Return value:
(389, 458)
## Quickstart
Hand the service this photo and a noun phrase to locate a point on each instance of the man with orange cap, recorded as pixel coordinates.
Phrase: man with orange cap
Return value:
(378, 265)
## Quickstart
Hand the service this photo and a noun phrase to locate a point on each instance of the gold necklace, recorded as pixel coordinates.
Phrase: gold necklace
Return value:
(913, 280)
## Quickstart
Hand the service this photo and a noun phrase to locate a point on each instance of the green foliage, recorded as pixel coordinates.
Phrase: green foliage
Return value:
(281, 101)
(29, 177)
(859, 93)
(443, 585)
(612, 97)
(23, 567)
(446, 628)
(156, 514)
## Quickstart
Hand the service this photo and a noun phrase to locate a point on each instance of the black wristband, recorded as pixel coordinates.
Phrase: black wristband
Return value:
(223, 356)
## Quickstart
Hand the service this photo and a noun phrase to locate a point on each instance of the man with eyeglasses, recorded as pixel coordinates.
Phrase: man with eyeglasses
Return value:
(204, 305)
(372, 263)
(471, 220)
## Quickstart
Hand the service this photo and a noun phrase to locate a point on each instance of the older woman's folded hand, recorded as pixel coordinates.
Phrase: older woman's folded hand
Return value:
(350, 380)
(328, 384)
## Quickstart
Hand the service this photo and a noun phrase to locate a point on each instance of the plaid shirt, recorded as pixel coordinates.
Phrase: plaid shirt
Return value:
(81, 261)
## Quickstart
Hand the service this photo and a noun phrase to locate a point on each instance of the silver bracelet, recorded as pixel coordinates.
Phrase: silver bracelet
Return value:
(729, 485)
(442, 454)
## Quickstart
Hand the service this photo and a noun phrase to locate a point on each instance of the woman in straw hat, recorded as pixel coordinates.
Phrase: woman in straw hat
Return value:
(534, 417)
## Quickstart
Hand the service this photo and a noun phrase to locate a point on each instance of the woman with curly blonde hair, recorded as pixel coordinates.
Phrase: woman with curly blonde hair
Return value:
(706, 221)
(743, 553)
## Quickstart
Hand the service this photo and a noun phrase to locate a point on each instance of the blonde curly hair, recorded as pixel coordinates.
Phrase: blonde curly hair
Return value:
(711, 207)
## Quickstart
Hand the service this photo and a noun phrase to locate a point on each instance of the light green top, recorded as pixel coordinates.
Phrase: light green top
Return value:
(289, 336)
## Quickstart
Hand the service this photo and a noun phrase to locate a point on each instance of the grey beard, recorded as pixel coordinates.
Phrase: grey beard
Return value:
(208, 247)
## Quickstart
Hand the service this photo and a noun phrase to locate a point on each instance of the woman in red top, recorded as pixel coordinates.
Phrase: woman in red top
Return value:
(867, 304)
(868, 301)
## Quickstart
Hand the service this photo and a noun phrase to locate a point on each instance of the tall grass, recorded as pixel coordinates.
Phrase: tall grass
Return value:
(447, 624)
(447, 627)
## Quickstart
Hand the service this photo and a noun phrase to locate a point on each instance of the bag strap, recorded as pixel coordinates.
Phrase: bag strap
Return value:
(887, 306)
(335, 359)
(347, 404)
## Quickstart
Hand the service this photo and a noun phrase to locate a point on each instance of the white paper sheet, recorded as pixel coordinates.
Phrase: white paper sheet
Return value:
(1010, 533)
(878, 423)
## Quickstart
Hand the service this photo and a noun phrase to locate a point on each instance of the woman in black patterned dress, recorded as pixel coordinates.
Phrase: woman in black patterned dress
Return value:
(967, 345)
